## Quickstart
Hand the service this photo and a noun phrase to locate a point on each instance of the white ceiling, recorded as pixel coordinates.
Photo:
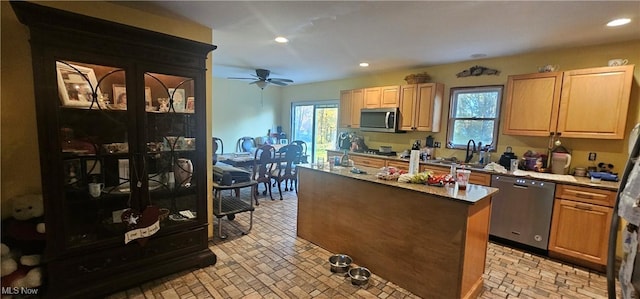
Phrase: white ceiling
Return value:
(329, 38)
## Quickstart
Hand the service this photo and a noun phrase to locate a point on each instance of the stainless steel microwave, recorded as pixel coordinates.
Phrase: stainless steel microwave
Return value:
(379, 120)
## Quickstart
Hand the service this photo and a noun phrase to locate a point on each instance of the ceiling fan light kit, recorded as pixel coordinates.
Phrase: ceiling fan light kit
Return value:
(262, 79)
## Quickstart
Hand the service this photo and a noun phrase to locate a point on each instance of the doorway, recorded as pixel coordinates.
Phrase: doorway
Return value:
(315, 123)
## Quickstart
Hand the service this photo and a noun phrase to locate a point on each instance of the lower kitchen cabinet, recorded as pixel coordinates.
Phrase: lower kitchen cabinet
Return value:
(398, 164)
(366, 161)
(477, 178)
(580, 225)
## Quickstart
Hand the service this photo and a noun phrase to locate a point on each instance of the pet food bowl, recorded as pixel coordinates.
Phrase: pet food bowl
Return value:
(359, 275)
(340, 263)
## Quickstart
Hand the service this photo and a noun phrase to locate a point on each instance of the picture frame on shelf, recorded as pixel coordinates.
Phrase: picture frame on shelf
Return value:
(191, 105)
(178, 96)
(76, 84)
(119, 97)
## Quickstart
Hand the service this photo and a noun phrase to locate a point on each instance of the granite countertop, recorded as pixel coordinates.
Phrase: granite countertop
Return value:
(472, 194)
(563, 179)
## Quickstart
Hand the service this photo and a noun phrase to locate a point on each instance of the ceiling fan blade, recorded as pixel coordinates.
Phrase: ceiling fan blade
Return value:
(254, 82)
(278, 83)
(281, 80)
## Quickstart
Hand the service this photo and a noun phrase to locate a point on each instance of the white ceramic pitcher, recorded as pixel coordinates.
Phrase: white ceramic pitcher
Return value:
(560, 163)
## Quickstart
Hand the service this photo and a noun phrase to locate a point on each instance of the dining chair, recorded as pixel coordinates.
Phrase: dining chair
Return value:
(285, 170)
(217, 144)
(263, 167)
(245, 144)
(303, 156)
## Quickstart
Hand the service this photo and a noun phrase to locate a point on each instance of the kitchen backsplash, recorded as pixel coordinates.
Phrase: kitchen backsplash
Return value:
(608, 151)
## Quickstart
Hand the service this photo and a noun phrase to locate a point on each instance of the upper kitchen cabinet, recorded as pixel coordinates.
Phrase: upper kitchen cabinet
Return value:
(379, 97)
(586, 103)
(122, 137)
(421, 107)
(345, 108)
(532, 104)
(351, 101)
(594, 102)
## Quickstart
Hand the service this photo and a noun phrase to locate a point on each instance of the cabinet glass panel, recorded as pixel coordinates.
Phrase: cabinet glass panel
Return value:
(93, 139)
(171, 147)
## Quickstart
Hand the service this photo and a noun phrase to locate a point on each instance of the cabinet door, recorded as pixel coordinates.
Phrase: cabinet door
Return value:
(357, 102)
(372, 97)
(429, 107)
(345, 108)
(95, 135)
(408, 109)
(173, 159)
(531, 105)
(580, 230)
(390, 96)
(594, 102)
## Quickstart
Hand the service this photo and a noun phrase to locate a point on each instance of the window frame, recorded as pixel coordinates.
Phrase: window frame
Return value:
(453, 103)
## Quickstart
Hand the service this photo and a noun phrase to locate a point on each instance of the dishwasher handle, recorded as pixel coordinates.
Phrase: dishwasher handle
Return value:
(520, 186)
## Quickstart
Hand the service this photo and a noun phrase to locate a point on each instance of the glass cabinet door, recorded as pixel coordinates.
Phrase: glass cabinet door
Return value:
(93, 119)
(171, 146)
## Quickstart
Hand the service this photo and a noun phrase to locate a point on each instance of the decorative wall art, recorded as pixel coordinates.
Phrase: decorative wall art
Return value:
(477, 71)
(76, 84)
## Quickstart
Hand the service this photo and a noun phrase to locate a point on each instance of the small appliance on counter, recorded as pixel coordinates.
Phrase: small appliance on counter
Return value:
(505, 159)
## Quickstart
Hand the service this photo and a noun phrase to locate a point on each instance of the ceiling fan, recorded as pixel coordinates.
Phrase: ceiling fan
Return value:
(262, 79)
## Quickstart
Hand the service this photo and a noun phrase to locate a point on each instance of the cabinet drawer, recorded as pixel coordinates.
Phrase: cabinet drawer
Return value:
(115, 261)
(398, 164)
(586, 194)
(366, 161)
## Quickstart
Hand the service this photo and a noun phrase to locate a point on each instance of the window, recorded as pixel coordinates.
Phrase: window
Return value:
(474, 113)
(315, 123)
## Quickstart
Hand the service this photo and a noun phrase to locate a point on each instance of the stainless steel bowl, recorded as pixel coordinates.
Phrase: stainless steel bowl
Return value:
(359, 275)
(340, 263)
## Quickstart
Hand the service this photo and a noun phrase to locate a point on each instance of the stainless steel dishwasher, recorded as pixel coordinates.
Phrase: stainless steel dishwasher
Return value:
(521, 210)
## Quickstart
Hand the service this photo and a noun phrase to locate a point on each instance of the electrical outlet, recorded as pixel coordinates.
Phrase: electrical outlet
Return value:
(436, 144)
(592, 156)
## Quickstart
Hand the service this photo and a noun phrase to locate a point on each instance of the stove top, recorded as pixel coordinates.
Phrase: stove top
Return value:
(377, 152)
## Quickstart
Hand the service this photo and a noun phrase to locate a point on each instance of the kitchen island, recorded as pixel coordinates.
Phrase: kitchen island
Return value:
(432, 241)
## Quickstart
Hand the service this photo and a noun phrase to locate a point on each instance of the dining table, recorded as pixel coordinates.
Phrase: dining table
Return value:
(245, 159)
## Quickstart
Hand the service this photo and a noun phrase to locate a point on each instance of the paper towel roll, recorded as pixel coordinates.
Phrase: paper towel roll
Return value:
(414, 162)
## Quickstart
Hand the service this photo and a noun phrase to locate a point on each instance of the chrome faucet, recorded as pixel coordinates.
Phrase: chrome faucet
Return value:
(469, 155)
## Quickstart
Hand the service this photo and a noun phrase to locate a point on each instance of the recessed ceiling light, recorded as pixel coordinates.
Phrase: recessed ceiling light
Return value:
(619, 22)
(282, 40)
(364, 64)
(478, 55)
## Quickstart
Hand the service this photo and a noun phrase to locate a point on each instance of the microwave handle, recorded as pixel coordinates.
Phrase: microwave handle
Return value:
(386, 120)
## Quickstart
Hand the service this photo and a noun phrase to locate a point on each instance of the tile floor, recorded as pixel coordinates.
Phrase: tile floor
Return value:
(271, 262)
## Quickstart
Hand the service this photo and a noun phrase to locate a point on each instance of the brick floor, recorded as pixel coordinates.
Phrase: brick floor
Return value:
(271, 262)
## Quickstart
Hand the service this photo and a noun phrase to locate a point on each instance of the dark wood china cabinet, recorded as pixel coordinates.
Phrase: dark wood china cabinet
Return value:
(122, 137)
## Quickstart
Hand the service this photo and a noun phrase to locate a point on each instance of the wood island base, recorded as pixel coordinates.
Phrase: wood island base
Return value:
(417, 237)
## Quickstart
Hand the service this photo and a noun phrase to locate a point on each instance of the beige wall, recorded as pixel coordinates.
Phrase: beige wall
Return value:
(240, 109)
(20, 159)
(610, 151)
